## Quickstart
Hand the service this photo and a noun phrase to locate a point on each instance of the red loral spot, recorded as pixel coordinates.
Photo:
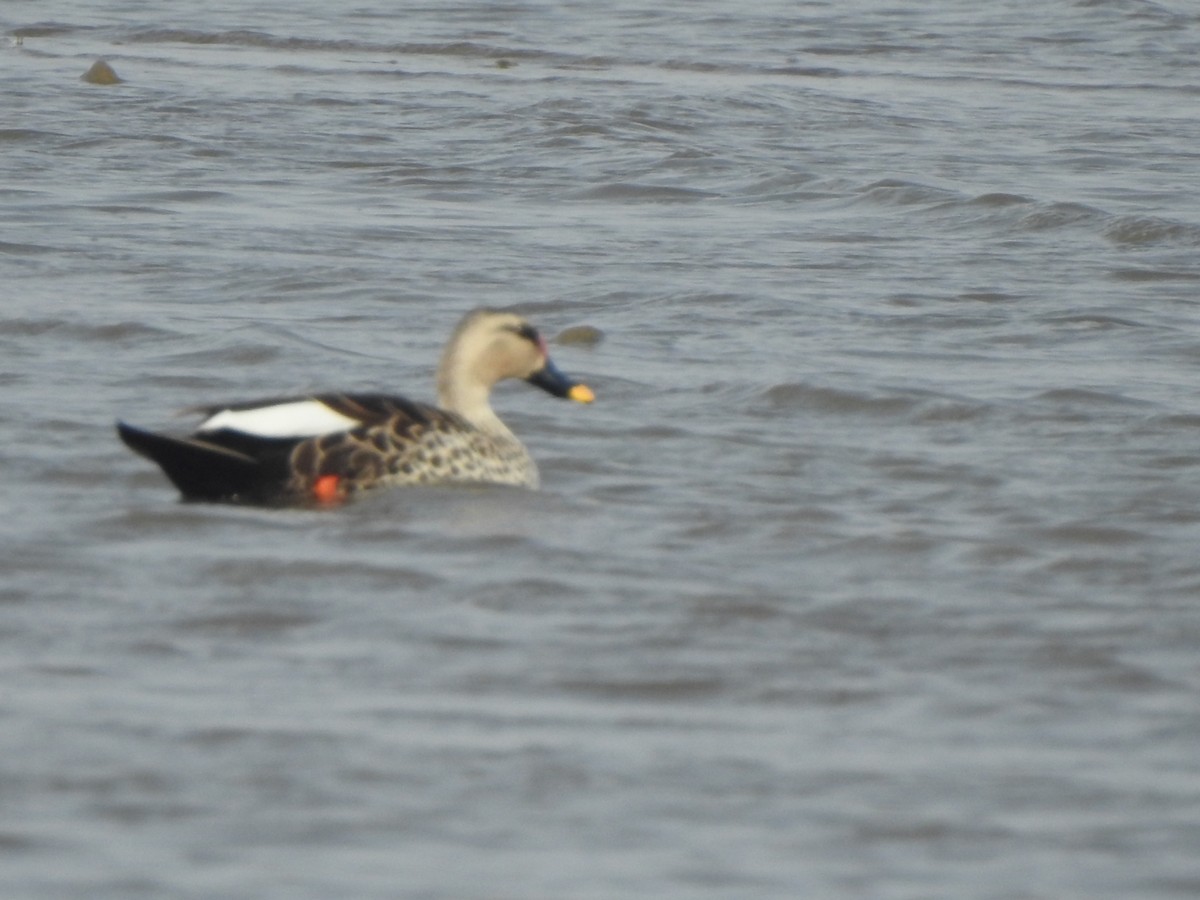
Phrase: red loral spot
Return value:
(327, 489)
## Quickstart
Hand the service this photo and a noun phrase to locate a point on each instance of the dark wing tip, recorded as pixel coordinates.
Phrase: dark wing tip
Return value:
(200, 471)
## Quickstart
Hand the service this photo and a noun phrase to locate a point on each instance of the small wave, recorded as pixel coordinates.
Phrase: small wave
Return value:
(833, 400)
(239, 38)
(503, 57)
(25, 249)
(46, 29)
(893, 192)
(1021, 213)
(1084, 397)
(1028, 213)
(1186, 461)
(1182, 420)
(644, 193)
(109, 333)
(118, 332)
(1136, 275)
(950, 411)
(682, 687)
(251, 623)
(183, 196)
(1089, 533)
(1097, 321)
(1138, 231)
(14, 135)
(988, 297)
(237, 356)
(265, 40)
(914, 470)
(1000, 199)
(791, 187)
(806, 71)
(1049, 216)
(114, 209)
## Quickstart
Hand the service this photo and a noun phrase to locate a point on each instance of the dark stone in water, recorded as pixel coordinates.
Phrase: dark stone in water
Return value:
(584, 335)
(101, 73)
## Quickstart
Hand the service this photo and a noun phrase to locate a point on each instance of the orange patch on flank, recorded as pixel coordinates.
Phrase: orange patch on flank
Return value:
(327, 489)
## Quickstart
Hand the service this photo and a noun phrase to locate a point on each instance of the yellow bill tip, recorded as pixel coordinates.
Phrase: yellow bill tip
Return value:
(581, 393)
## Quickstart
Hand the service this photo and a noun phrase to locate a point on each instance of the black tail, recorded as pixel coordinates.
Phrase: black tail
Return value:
(200, 470)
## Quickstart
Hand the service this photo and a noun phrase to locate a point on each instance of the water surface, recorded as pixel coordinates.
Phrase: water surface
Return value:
(872, 571)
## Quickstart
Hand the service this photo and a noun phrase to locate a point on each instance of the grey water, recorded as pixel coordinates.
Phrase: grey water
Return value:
(872, 572)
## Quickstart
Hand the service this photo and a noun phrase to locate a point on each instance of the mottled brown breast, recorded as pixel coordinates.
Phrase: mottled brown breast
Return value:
(401, 442)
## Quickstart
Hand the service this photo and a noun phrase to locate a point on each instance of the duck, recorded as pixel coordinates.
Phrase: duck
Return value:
(328, 448)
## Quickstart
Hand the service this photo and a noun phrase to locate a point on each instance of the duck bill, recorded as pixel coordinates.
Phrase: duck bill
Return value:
(550, 378)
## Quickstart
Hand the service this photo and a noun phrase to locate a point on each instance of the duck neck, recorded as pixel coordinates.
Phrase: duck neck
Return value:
(460, 393)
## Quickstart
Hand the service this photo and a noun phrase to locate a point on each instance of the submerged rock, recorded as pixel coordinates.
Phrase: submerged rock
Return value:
(101, 73)
(584, 335)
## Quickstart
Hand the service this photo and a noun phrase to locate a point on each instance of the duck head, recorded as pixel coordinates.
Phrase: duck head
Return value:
(490, 346)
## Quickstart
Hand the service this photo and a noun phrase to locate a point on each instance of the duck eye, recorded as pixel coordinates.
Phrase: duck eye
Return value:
(528, 332)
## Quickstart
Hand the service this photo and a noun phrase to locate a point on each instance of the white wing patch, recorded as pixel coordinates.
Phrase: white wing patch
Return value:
(300, 418)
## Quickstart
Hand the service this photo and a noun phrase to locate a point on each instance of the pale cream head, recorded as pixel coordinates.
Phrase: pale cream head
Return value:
(487, 347)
